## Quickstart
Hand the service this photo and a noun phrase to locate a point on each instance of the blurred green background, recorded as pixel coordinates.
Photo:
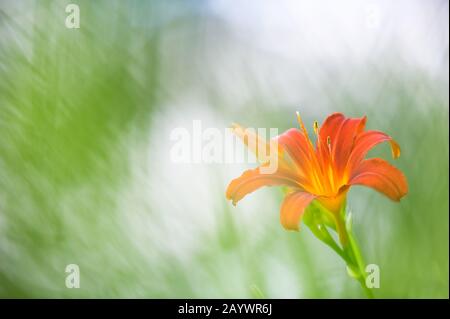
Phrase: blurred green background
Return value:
(85, 170)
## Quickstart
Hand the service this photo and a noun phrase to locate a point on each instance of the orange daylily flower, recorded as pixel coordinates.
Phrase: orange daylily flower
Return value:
(322, 172)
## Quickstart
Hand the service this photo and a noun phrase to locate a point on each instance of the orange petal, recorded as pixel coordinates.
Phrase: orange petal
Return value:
(334, 203)
(327, 133)
(344, 141)
(330, 127)
(365, 142)
(296, 145)
(381, 176)
(255, 142)
(292, 209)
(253, 179)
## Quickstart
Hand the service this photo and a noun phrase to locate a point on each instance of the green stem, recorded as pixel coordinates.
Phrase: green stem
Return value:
(351, 249)
(356, 252)
(322, 233)
(348, 249)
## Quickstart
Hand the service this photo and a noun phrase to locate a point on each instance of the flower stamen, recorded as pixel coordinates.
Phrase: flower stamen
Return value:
(316, 128)
(302, 126)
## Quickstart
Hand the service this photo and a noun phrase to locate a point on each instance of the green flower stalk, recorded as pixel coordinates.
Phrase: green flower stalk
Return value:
(320, 222)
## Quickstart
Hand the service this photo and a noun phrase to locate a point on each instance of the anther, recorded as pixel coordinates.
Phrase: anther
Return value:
(329, 143)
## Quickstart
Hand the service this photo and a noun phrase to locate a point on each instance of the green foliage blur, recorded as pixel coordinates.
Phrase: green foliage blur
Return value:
(83, 156)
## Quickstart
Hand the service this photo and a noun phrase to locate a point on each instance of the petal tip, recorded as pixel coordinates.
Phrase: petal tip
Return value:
(295, 228)
(395, 149)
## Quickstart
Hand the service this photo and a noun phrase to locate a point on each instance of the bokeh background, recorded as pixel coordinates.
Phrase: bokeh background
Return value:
(85, 120)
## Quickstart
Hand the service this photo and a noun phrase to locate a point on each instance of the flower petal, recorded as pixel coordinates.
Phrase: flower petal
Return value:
(253, 179)
(330, 127)
(365, 142)
(344, 141)
(255, 142)
(292, 209)
(296, 145)
(381, 176)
